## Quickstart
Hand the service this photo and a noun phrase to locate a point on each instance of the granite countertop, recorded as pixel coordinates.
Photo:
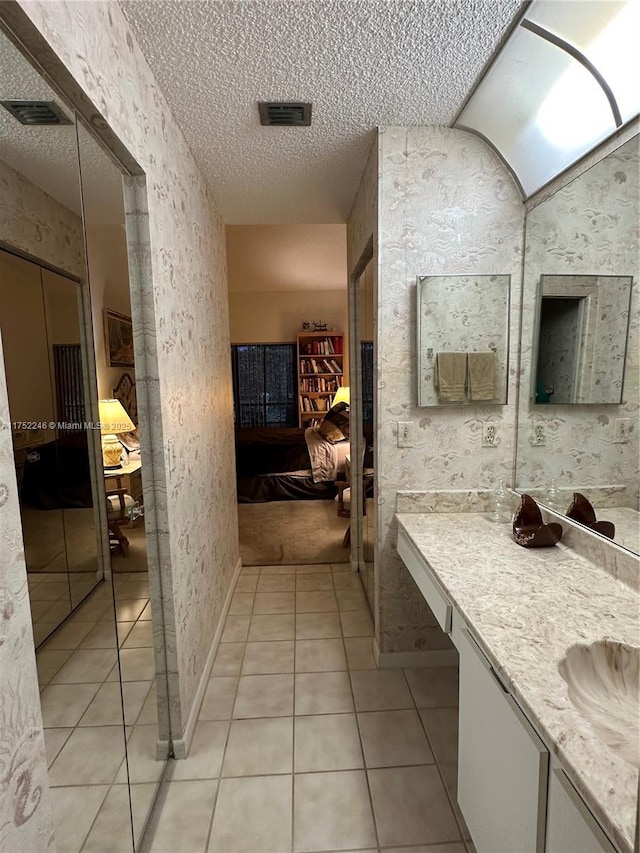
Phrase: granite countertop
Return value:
(527, 607)
(627, 522)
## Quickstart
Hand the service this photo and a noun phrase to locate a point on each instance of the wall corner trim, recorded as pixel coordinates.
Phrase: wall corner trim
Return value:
(182, 745)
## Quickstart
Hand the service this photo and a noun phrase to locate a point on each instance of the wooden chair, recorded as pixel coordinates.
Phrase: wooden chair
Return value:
(119, 504)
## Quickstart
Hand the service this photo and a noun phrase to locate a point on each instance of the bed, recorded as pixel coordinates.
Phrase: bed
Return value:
(287, 464)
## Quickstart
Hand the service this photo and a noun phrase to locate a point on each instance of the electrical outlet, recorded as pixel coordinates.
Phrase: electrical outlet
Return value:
(538, 436)
(405, 433)
(621, 429)
(490, 436)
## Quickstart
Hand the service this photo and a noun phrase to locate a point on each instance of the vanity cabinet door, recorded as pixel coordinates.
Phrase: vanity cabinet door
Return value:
(571, 828)
(502, 763)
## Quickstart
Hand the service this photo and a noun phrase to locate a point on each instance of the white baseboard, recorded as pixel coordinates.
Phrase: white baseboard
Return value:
(182, 745)
(411, 660)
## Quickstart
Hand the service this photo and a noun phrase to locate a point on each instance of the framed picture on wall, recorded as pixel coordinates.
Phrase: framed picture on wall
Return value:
(118, 339)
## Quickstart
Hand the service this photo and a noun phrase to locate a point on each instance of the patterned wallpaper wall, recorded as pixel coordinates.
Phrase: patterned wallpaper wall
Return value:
(35, 224)
(186, 335)
(588, 227)
(446, 206)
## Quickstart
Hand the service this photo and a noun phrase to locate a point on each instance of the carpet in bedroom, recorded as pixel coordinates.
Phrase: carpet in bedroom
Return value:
(291, 533)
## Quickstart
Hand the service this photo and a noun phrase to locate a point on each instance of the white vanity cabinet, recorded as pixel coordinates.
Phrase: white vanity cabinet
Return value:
(502, 763)
(571, 828)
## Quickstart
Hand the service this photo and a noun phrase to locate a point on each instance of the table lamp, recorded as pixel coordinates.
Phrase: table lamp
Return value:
(341, 396)
(113, 419)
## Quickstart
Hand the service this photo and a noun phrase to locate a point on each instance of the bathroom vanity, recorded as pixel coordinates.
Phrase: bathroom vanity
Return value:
(534, 774)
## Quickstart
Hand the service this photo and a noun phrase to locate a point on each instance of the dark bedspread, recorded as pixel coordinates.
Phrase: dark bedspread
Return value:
(270, 451)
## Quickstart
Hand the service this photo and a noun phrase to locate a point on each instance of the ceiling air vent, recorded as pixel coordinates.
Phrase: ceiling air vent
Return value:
(36, 112)
(285, 113)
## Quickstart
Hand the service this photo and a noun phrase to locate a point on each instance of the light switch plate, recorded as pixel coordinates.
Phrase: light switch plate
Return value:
(405, 433)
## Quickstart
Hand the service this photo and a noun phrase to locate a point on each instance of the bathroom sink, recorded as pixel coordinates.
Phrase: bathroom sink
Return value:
(604, 685)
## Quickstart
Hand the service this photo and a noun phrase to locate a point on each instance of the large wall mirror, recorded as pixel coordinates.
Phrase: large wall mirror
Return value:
(463, 339)
(578, 428)
(64, 259)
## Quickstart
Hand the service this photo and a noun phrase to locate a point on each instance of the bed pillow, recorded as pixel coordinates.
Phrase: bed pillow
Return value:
(335, 424)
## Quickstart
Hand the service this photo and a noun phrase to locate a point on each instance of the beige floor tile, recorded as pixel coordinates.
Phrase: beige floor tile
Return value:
(129, 611)
(252, 814)
(49, 662)
(341, 568)
(311, 626)
(205, 753)
(277, 583)
(314, 582)
(137, 664)
(139, 637)
(411, 806)
(441, 725)
(111, 831)
(146, 613)
(106, 708)
(360, 653)
(274, 602)
(267, 658)
(142, 800)
(264, 696)
(54, 740)
(356, 623)
(241, 604)
(350, 600)
(323, 693)
(236, 628)
(49, 591)
(132, 589)
(74, 809)
(449, 773)
(430, 848)
(347, 580)
(327, 742)
(246, 583)
(435, 687)
(228, 659)
(277, 570)
(380, 690)
(172, 827)
(259, 747)
(64, 704)
(141, 756)
(91, 756)
(332, 812)
(316, 602)
(320, 656)
(149, 713)
(313, 568)
(393, 739)
(86, 666)
(219, 697)
(123, 630)
(250, 570)
(279, 627)
(103, 636)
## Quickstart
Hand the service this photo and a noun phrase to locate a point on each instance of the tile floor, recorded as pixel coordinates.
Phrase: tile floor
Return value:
(51, 595)
(83, 718)
(302, 744)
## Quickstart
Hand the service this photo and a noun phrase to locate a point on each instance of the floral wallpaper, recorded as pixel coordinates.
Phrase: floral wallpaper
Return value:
(446, 206)
(587, 228)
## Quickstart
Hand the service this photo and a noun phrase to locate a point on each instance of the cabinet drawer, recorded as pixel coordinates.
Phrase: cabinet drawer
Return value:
(502, 763)
(421, 573)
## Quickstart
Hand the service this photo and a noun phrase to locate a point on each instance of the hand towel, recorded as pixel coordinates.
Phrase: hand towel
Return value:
(449, 376)
(481, 380)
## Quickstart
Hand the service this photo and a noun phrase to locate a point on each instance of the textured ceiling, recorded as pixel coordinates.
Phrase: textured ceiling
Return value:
(48, 156)
(363, 63)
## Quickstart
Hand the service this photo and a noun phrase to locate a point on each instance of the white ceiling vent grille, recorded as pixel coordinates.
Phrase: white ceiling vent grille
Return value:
(36, 112)
(285, 113)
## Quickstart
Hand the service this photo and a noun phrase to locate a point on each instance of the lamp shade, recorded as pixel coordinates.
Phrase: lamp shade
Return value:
(113, 418)
(341, 396)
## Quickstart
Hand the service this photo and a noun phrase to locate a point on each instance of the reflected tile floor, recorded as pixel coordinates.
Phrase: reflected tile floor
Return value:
(83, 717)
(302, 744)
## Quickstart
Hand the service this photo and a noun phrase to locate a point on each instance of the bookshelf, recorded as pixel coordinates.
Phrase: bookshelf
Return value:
(320, 374)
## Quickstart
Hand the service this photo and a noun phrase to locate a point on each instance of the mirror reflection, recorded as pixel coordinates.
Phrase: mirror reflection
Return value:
(581, 246)
(582, 338)
(463, 339)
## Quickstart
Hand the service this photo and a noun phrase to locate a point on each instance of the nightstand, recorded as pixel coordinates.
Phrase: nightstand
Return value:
(131, 478)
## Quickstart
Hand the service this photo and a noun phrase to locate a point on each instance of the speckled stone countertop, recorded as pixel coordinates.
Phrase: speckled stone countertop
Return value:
(527, 607)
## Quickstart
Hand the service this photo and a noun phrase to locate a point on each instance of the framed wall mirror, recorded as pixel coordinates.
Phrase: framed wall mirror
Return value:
(463, 339)
(578, 427)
